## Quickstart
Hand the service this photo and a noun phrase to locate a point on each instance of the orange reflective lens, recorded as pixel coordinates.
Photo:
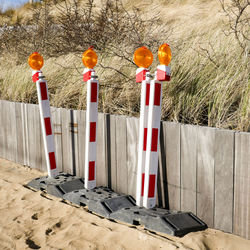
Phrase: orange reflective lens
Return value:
(164, 54)
(143, 57)
(36, 61)
(89, 58)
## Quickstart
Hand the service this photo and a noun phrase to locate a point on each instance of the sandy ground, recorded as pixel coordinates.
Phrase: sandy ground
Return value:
(34, 220)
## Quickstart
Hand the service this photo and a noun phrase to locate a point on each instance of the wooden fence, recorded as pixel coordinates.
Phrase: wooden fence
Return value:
(202, 170)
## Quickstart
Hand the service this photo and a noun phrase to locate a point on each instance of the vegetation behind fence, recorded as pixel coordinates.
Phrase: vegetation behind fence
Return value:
(202, 170)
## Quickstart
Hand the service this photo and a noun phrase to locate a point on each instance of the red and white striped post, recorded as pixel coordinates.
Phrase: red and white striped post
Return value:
(91, 117)
(145, 90)
(143, 58)
(45, 115)
(154, 118)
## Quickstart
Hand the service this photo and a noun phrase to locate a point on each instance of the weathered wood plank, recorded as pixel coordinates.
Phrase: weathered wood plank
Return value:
(11, 131)
(101, 169)
(132, 153)
(223, 174)
(188, 168)
(19, 134)
(172, 146)
(111, 149)
(241, 225)
(74, 141)
(57, 129)
(26, 133)
(205, 175)
(2, 130)
(81, 142)
(34, 138)
(121, 154)
(66, 141)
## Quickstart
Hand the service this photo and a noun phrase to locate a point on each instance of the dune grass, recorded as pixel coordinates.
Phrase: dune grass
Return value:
(210, 73)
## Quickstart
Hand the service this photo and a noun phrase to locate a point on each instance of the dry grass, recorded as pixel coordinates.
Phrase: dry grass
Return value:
(210, 75)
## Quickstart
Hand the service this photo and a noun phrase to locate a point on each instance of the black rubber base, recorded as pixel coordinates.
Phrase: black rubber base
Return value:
(105, 202)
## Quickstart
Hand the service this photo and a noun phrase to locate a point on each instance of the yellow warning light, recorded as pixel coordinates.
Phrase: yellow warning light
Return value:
(35, 61)
(143, 57)
(89, 58)
(164, 54)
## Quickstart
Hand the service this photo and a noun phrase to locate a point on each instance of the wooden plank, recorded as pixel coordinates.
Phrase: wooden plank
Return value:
(34, 136)
(132, 153)
(102, 168)
(188, 167)
(205, 175)
(111, 149)
(66, 141)
(223, 174)
(2, 130)
(19, 134)
(74, 141)
(241, 225)
(26, 133)
(172, 142)
(11, 136)
(57, 129)
(121, 155)
(81, 141)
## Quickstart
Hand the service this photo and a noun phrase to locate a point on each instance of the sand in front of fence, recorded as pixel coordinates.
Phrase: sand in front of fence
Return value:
(32, 220)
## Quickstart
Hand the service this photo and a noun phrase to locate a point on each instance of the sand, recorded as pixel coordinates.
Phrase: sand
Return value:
(35, 220)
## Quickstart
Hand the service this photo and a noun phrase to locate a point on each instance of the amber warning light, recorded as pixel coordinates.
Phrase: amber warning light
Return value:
(89, 58)
(36, 61)
(164, 54)
(143, 57)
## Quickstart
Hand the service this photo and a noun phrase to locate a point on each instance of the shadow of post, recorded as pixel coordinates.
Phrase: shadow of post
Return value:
(162, 174)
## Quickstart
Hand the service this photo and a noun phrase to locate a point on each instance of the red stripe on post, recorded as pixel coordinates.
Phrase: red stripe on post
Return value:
(157, 99)
(91, 170)
(142, 184)
(151, 187)
(92, 136)
(94, 92)
(147, 93)
(154, 142)
(43, 89)
(47, 126)
(52, 160)
(145, 139)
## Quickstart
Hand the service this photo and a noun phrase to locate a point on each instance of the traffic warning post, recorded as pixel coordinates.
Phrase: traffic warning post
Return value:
(36, 63)
(89, 59)
(143, 58)
(154, 118)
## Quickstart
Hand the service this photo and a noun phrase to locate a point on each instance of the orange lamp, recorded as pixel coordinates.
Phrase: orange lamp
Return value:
(35, 61)
(89, 58)
(164, 54)
(143, 57)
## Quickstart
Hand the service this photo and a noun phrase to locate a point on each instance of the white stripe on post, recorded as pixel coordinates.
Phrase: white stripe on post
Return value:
(151, 162)
(91, 128)
(48, 136)
(145, 91)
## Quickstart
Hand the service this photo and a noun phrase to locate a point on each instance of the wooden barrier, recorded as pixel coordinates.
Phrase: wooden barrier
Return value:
(202, 170)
